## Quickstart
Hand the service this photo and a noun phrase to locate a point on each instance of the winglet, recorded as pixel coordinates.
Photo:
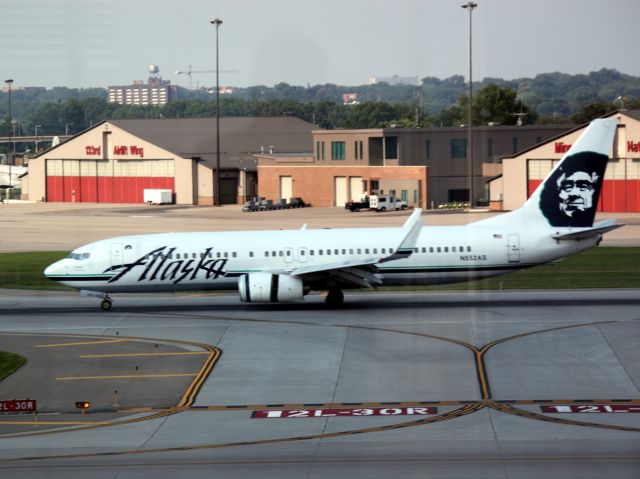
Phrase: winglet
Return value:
(411, 229)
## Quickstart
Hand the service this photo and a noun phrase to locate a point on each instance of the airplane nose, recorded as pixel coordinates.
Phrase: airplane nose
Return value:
(54, 269)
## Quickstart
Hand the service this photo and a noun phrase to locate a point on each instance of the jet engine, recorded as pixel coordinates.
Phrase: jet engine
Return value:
(270, 288)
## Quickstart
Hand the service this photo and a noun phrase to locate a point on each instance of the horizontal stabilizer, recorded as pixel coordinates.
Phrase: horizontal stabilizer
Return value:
(598, 229)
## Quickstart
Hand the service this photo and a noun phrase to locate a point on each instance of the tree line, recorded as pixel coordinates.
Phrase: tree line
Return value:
(548, 98)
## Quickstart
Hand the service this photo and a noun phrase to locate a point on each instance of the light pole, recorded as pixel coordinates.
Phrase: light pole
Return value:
(470, 6)
(37, 127)
(9, 82)
(217, 22)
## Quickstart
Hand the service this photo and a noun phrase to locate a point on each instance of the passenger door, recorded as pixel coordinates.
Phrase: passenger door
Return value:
(117, 256)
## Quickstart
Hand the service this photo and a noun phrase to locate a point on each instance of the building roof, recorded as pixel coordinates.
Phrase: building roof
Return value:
(635, 114)
(240, 137)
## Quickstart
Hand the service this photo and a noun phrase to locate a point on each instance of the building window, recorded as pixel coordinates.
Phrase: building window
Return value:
(360, 143)
(317, 150)
(337, 150)
(427, 149)
(458, 148)
(322, 156)
(390, 147)
(489, 148)
(514, 142)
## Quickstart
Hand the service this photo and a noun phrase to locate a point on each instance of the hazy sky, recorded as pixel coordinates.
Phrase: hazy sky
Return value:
(96, 43)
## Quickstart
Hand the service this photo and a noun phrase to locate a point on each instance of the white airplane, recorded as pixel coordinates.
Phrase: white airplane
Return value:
(283, 266)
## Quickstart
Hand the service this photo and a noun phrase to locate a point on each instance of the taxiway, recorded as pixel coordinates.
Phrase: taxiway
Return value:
(499, 385)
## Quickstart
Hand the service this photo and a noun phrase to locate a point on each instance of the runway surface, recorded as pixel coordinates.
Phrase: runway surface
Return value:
(495, 385)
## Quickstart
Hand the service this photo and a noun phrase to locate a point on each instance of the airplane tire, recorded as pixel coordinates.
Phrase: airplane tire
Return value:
(335, 298)
(105, 305)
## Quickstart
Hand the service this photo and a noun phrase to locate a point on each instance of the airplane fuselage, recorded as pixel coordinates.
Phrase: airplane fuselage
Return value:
(215, 260)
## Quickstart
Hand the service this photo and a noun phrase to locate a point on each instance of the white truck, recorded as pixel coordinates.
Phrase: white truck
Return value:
(382, 203)
(386, 203)
(158, 196)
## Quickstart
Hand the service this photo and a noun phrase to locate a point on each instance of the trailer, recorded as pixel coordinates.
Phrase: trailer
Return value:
(158, 197)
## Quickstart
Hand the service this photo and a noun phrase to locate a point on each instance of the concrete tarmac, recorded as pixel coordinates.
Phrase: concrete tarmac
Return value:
(489, 384)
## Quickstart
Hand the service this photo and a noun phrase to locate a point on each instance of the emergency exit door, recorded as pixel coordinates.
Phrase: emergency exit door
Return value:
(514, 248)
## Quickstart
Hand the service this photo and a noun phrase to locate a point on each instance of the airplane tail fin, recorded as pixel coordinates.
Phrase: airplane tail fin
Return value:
(568, 196)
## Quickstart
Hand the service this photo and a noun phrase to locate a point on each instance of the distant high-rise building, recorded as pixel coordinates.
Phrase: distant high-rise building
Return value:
(395, 80)
(156, 92)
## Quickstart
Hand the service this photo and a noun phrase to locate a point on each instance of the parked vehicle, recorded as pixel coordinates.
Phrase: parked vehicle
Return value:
(259, 203)
(382, 202)
(353, 205)
(401, 204)
(297, 202)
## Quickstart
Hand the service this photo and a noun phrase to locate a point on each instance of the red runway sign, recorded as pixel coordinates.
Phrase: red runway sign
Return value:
(592, 408)
(18, 405)
(373, 411)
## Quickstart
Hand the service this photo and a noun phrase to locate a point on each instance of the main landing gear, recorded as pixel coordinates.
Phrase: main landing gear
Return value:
(335, 298)
(105, 305)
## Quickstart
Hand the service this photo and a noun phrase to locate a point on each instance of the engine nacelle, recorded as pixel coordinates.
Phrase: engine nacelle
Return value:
(270, 288)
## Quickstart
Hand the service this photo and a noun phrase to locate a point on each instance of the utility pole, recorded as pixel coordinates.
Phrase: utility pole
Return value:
(470, 6)
(217, 22)
(9, 82)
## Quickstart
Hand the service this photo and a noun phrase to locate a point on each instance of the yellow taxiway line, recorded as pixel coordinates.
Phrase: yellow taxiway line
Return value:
(128, 376)
(61, 345)
(131, 355)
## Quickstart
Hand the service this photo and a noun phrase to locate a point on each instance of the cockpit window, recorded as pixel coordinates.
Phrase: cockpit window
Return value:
(79, 256)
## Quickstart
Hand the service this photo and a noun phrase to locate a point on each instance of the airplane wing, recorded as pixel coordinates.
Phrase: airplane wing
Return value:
(363, 272)
(597, 229)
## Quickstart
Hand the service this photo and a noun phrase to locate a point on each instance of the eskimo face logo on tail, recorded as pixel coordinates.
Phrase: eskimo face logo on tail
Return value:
(570, 195)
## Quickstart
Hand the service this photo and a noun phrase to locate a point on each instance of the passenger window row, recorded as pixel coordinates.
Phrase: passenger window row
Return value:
(327, 252)
(311, 252)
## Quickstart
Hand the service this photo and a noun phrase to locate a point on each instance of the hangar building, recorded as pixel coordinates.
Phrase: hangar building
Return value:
(522, 173)
(115, 161)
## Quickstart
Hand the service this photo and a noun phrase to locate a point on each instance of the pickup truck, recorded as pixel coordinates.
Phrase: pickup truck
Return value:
(355, 206)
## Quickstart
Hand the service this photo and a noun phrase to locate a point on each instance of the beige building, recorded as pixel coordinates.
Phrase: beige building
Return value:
(521, 174)
(348, 163)
(443, 150)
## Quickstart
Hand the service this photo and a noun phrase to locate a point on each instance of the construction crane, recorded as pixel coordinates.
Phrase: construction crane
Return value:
(190, 72)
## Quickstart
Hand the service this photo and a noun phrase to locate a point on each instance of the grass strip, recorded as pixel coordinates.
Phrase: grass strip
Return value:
(24, 270)
(9, 364)
(603, 267)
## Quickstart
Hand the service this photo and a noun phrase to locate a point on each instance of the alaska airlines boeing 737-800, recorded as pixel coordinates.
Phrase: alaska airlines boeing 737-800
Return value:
(283, 266)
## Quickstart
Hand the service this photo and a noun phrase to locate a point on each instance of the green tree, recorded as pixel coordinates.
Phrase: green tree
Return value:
(493, 103)
(592, 111)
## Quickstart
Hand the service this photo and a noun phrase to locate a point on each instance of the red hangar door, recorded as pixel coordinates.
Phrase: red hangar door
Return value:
(106, 181)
